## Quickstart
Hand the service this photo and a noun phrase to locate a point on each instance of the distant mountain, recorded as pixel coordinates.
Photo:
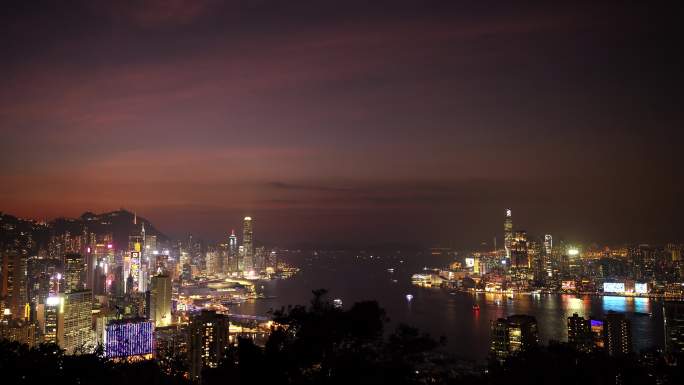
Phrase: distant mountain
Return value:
(120, 223)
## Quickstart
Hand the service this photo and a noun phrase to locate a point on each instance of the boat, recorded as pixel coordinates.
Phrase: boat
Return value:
(476, 307)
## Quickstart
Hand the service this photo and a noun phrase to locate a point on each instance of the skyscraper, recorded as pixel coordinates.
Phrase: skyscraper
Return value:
(548, 244)
(508, 233)
(49, 317)
(160, 300)
(248, 243)
(74, 270)
(617, 334)
(77, 331)
(513, 335)
(580, 336)
(235, 263)
(208, 341)
(518, 250)
(14, 284)
(673, 319)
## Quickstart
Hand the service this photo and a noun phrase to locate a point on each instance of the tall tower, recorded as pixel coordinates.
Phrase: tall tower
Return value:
(236, 263)
(13, 286)
(208, 341)
(248, 243)
(73, 272)
(508, 233)
(548, 244)
(160, 300)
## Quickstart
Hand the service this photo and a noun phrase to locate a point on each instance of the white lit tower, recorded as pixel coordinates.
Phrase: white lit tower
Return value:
(248, 243)
(508, 233)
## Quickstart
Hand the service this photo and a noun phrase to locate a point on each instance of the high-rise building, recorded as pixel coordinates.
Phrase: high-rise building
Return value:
(14, 282)
(513, 335)
(499, 345)
(74, 271)
(518, 252)
(580, 335)
(508, 233)
(160, 300)
(214, 261)
(617, 334)
(673, 319)
(548, 244)
(236, 262)
(522, 332)
(77, 332)
(19, 330)
(248, 243)
(131, 338)
(51, 318)
(208, 341)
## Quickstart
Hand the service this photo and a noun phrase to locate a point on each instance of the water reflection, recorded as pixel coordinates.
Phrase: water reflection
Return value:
(452, 315)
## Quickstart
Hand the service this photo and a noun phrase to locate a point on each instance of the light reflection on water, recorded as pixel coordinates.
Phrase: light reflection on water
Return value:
(452, 315)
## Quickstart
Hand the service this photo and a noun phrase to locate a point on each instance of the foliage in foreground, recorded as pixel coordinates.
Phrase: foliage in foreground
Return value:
(321, 344)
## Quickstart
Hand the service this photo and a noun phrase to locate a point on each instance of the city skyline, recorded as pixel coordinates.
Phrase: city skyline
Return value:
(353, 123)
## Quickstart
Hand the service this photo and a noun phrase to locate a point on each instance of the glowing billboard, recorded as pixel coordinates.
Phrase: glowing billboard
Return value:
(470, 262)
(129, 338)
(568, 285)
(613, 287)
(641, 288)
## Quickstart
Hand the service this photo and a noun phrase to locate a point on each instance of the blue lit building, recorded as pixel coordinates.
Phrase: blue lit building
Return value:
(130, 339)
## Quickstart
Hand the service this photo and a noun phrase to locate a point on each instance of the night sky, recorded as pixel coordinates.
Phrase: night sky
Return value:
(347, 123)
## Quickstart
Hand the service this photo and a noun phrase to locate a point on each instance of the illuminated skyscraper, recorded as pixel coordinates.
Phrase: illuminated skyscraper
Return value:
(14, 271)
(248, 243)
(673, 319)
(508, 233)
(617, 332)
(513, 335)
(160, 300)
(214, 261)
(235, 262)
(51, 317)
(77, 331)
(580, 335)
(518, 251)
(208, 332)
(74, 270)
(548, 244)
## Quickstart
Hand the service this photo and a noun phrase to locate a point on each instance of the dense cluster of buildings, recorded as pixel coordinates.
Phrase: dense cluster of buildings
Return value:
(527, 263)
(134, 299)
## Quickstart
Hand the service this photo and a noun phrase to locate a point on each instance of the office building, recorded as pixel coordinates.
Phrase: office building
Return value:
(74, 271)
(548, 244)
(580, 336)
(160, 300)
(51, 318)
(14, 289)
(519, 253)
(248, 243)
(208, 341)
(236, 263)
(513, 335)
(508, 233)
(76, 335)
(617, 334)
(673, 319)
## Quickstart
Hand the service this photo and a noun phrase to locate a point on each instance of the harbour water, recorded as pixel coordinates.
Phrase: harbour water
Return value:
(441, 313)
